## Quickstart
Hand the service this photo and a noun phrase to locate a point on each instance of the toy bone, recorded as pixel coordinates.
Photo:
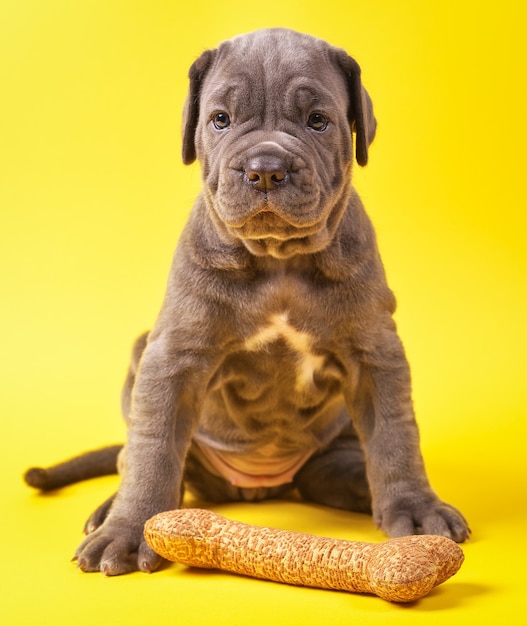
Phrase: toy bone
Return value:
(399, 570)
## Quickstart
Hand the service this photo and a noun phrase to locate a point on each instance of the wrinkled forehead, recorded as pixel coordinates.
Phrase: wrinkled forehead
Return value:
(275, 47)
(289, 64)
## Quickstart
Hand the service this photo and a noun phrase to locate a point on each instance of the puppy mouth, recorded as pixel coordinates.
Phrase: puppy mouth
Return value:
(268, 225)
(287, 248)
(267, 234)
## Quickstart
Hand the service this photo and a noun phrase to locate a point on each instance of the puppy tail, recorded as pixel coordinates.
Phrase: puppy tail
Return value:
(90, 464)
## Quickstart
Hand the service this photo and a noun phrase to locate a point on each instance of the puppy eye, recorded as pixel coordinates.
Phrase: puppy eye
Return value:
(221, 120)
(318, 122)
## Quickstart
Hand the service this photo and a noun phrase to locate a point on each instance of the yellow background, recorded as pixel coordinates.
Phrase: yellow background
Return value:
(92, 198)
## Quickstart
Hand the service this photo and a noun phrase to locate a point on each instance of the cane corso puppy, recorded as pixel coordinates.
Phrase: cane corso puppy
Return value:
(275, 362)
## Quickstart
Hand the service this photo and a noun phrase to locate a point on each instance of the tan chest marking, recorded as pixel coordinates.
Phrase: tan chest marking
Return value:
(307, 362)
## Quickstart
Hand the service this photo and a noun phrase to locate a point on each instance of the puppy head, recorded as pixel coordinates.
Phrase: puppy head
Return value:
(270, 116)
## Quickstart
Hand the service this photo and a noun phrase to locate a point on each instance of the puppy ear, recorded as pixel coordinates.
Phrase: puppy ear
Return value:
(198, 71)
(365, 125)
(360, 114)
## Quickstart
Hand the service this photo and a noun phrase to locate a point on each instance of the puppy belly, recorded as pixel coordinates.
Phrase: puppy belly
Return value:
(263, 470)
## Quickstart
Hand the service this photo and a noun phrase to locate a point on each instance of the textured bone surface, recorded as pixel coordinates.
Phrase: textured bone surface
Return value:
(399, 570)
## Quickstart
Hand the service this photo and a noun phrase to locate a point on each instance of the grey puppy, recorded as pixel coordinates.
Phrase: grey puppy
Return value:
(274, 362)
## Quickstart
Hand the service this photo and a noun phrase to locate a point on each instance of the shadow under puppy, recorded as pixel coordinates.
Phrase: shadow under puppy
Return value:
(274, 362)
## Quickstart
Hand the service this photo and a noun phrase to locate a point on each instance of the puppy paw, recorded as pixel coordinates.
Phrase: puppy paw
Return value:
(418, 515)
(97, 518)
(116, 548)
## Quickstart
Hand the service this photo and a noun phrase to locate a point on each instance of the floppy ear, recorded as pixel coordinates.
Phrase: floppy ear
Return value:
(360, 114)
(198, 71)
(365, 122)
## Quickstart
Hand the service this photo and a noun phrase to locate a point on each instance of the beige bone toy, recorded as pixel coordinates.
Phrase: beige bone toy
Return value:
(399, 570)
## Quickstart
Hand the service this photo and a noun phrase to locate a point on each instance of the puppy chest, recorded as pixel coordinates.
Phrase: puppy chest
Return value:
(278, 371)
(290, 349)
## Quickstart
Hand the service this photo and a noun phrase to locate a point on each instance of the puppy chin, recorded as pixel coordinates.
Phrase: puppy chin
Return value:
(288, 248)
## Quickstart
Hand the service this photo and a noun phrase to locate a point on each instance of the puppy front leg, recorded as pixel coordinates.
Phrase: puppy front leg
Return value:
(164, 412)
(403, 501)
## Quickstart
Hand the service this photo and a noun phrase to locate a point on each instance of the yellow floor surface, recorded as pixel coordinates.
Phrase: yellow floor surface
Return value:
(92, 199)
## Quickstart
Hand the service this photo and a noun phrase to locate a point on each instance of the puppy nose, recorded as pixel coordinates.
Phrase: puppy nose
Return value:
(266, 172)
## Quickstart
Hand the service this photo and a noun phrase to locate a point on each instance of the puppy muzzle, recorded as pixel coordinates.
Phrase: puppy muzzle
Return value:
(269, 198)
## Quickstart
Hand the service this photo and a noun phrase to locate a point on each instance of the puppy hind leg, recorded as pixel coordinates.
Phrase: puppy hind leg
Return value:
(336, 476)
(126, 393)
